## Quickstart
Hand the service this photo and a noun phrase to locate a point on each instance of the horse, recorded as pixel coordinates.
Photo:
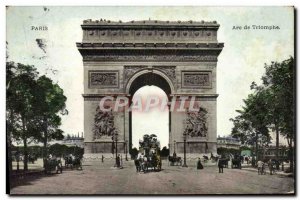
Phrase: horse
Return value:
(53, 165)
(68, 161)
(236, 162)
(247, 159)
(137, 164)
(158, 162)
(214, 158)
(205, 158)
(174, 160)
(155, 162)
(77, 163)
(71, 161)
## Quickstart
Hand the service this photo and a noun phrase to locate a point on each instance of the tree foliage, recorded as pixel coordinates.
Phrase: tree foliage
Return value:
(269, 107)
(33, 106)
(20, 85)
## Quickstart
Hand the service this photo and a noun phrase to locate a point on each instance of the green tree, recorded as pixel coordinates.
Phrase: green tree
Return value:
(49, 103)
(58, 150)
(271, 106)
(33, 105)
(279, 81)
(251, 124)
(20, 86)
(10, 112)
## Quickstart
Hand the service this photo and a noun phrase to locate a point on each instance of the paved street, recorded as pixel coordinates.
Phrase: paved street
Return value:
(104, 179)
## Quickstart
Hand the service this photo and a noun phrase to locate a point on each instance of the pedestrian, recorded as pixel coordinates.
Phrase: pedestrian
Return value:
(118, 161)
(174, 155)
(199, 164)
(121, 162)
(220, 165)
(263, 171)
(259, 167)
(137, 164)
(242, 159)
(102, 158)
(247, 159)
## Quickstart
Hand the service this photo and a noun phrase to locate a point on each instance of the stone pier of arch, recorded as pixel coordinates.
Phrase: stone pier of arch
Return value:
(179, 57)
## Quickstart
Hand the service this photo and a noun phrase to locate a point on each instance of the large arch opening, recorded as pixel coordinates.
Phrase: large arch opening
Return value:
(155, 121)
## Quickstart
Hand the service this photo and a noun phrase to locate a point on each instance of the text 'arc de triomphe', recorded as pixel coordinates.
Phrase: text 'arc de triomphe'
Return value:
(121, 57)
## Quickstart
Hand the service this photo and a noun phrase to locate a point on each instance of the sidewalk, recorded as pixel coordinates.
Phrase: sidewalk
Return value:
(248, 168)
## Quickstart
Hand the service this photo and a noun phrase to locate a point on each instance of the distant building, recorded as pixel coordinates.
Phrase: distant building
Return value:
(228, 142)
(70, 140)
(73, 140)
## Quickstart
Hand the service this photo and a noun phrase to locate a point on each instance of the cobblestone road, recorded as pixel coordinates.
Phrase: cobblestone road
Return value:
(104, 179)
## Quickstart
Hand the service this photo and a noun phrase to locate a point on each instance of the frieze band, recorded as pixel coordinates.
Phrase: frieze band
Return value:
(103, 79)
(150, 58)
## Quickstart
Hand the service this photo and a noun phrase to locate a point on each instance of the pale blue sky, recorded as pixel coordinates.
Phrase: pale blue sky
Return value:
(241, 61)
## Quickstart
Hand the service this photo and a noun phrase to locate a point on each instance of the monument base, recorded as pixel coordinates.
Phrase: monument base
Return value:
(196, 148)
(104, 147)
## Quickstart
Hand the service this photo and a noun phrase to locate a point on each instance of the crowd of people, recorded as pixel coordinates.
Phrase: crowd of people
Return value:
(261, 166)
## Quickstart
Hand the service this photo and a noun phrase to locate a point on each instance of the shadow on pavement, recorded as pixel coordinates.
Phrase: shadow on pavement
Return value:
(21, 178)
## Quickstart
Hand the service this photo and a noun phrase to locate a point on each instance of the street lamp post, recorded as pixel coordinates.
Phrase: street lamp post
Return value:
(18, 158)
(184, 149)
(116, 139)
(174, 146)
(126, 150)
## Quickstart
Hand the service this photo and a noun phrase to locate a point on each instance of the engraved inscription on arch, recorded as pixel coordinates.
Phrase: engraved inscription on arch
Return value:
(103, 79)
(196, 79)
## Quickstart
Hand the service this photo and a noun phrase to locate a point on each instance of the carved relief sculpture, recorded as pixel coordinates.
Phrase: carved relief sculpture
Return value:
(196, 123)
(130, 70)
(103, 123)
(169, 71)
(103, 79)
(196, 79)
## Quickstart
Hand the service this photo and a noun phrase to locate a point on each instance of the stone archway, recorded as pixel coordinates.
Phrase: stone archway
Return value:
(179, 57)
(150, 76)
(143, 78)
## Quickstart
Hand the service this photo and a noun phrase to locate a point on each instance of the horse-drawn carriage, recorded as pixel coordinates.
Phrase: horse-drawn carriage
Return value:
(236, 162)
(148, 163)
(175, 160)
(73, 162)
(148, 158)
(52, 164)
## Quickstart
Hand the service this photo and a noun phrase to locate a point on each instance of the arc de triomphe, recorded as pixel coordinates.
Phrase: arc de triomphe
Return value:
(121, 57)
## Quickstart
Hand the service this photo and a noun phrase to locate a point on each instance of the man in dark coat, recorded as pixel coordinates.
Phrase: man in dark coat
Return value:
(118, 161)
(220, 165)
